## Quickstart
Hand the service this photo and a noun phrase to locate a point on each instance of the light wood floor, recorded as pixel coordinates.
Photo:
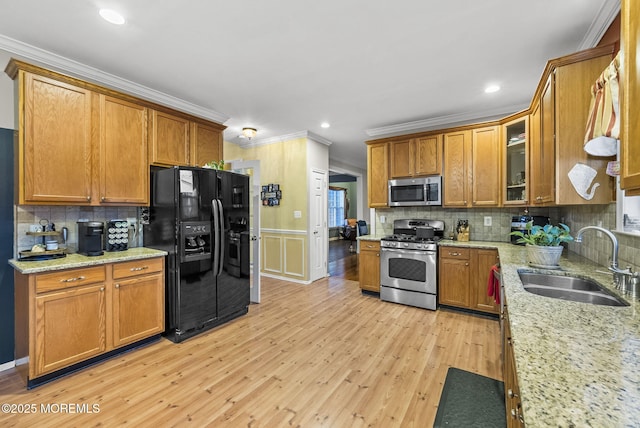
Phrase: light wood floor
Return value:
(315, 355)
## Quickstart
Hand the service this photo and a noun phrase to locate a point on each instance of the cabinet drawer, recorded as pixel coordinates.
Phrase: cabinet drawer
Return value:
(454, 253)
(137, 267)
(69, 278)
(369, 245)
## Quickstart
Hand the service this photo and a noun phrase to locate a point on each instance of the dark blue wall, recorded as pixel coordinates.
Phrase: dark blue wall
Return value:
(6, 246)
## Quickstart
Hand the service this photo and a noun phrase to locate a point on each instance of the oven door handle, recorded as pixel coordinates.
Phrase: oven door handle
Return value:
(407, 251)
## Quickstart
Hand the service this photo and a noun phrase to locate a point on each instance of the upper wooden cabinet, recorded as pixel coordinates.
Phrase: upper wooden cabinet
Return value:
(543, 146)
(169, 139)
(54, 141)
(471, 172)
(124, 172)
(206, 143)
(457, 159)
(83, 144)
(562, 105)
(630, 103)
(416, 157)
(485, 179)
(515, 161)
(378, 175)
(78, 147)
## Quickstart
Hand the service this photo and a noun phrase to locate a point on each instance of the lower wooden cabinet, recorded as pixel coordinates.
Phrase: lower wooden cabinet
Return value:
(70, 327)
(463, 275)
(369, 266)
(513, 404)
(69, 316)
(138, 300)
(454, 277)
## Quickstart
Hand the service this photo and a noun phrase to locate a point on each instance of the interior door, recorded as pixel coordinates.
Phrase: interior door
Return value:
(252, 169)
(318, 225)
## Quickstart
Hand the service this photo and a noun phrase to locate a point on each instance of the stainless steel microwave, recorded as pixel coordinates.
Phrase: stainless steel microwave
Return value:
(409, 192)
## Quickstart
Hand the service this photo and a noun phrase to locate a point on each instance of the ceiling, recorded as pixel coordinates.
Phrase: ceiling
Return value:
(369, 68)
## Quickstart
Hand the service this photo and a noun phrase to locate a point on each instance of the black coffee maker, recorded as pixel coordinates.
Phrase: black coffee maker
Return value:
(519, 224)
(90, 235)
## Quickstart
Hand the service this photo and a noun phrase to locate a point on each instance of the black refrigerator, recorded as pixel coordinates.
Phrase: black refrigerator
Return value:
(201, 218)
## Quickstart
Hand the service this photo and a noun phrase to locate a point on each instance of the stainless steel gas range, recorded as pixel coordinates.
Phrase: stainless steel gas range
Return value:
(408, 263)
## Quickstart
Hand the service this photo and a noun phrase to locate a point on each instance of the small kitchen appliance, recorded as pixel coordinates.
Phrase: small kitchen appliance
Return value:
(519, 224)
(90, 235)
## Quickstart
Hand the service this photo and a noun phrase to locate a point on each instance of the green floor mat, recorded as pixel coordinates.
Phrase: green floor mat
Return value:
(471, 400)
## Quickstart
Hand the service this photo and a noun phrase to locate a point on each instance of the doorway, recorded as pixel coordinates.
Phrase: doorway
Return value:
(252, 169)
(344, 202)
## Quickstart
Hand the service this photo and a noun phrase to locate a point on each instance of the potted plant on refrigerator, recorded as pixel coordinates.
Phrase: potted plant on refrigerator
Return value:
(543, 243)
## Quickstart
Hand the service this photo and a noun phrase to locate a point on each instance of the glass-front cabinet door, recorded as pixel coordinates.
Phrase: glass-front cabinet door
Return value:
(515, 163)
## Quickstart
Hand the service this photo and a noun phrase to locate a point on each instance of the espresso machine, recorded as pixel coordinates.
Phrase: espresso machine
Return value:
(90, 235)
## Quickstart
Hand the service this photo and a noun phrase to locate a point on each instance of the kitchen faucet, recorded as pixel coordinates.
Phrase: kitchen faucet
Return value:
(619, 275)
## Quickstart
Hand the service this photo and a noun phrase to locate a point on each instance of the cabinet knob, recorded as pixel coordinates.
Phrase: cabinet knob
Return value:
(377, 254)
(466, 264)
(538, 198)
(511, 394)
(102, 199)
(88, 198)
(101, 288)
(118, 286)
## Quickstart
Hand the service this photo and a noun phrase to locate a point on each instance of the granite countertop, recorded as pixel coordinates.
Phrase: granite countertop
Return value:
(370, 237)
(577, 363)
(78, 260)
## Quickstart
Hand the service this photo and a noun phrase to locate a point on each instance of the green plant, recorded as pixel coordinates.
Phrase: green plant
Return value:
(544, 236)
(215, 164)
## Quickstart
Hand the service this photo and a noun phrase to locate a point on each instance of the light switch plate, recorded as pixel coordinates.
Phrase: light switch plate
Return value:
(297, 214)
(487, 220)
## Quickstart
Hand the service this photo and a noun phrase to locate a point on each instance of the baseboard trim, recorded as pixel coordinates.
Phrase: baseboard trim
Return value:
(7, 366)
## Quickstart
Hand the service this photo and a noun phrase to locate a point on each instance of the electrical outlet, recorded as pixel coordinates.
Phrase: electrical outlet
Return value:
(487, 220)
(383, 219)
(297, 214)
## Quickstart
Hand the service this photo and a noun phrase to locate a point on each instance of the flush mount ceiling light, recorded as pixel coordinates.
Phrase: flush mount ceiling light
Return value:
(491, 88)
(112, 16)
(249, 132)
(325, 125)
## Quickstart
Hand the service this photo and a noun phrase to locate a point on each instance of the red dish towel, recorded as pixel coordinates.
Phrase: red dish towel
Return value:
(493, 284)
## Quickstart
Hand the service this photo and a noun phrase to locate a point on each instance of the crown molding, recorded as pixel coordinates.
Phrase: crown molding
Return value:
(285, 137)
(75, 69)
(439, 122)
(607, 13)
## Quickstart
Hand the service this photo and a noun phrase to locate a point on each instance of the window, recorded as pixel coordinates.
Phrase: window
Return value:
(628, 213)
(337, 213)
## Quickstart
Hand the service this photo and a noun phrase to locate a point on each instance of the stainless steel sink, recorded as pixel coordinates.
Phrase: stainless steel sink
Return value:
(572, 288)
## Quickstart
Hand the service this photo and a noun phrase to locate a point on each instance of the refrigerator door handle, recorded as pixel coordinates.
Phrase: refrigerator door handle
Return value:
(216, 236)
(221, 235)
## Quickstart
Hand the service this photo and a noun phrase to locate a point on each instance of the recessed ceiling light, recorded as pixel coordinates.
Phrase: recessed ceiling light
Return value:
(491, 88)
(325, 125)
(112, 16)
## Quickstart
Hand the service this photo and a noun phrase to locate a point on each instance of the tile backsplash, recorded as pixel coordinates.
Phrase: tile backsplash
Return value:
(498, 231)
(597, 249)
(67, 216)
